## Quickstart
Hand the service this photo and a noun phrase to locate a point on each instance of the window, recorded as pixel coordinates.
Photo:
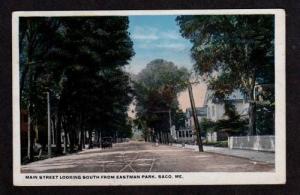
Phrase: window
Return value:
(213, 110)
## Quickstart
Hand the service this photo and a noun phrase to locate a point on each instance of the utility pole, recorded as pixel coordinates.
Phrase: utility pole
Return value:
(49, 125)
(197, 127)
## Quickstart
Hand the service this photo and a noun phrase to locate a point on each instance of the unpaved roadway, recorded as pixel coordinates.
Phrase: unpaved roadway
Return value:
(145, 157)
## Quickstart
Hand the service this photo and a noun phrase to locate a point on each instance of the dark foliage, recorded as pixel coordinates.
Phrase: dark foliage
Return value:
(80, 61)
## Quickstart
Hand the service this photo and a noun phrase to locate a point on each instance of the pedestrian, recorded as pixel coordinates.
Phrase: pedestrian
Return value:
(37, 148)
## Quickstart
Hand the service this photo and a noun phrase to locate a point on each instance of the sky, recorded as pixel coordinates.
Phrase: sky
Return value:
(159, 37)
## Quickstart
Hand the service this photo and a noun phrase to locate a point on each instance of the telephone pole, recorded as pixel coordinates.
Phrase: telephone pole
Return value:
(197, 127)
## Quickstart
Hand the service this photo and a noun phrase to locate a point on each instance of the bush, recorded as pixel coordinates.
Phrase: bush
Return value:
(223, 144)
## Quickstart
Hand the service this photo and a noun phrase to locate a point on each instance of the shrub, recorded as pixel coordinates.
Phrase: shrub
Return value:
(217, 144)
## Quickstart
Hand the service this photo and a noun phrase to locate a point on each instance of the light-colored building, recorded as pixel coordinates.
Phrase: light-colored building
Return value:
(201, 113)
(215, 108)
(187, 134)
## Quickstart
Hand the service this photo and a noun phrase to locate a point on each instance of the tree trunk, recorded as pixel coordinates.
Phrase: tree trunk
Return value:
(90, 139)
(84, 138)
(53, 127)
(159, 137)
(30, 135)
(80, 132)
(58, 134)
(23, 77)
(99, 138)
(49, 126)
(81, 139)
(31, 142)
(168, 138)
(65, 142)
(252, 118)
(30, 110)
(71, 137)
(252, 111)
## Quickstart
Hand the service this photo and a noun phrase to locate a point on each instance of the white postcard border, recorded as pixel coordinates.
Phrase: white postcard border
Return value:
(189, 178)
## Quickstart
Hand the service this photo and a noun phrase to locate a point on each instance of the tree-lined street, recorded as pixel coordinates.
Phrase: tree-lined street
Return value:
(145, 157)
(79, 63)
(77, 93)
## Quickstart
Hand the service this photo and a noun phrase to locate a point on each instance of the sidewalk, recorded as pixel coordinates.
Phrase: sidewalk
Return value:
(267, 157)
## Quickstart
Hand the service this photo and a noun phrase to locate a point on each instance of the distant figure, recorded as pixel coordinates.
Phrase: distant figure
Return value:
(156, 142)
(37, 148)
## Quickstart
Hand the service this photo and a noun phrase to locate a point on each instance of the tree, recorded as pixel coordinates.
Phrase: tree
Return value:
(156, 89)
(265, 109)
(142, 126)
(207, 125)
(37, 35)
(80, 61)
(99, 48)
(240, 48)
(179, 119)
(233, 124)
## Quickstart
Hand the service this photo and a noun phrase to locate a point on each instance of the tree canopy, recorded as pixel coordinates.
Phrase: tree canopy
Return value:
(80, 61)
(156, 89)
(232, 51)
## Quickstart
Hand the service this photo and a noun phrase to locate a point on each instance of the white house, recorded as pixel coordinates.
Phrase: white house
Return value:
(187, 133)
(215, 108)
(201, 113)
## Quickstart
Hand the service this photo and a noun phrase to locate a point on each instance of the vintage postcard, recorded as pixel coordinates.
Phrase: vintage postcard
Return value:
(169, 97)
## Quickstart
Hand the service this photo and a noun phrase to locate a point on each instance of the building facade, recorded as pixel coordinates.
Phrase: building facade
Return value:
(187, 134)
(215, 108)
(216, 111)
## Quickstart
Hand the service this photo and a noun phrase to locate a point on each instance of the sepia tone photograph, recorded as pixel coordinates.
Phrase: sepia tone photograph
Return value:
(149, 97)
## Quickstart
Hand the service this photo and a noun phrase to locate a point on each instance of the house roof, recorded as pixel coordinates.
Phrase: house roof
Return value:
(236, 95)
(201, 111)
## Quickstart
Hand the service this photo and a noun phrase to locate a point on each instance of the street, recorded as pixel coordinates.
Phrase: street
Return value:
(145, 157)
